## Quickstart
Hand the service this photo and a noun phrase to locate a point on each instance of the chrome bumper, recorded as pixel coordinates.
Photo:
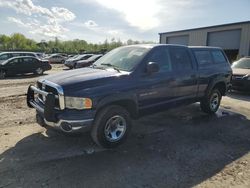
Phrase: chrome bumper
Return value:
(60, 124)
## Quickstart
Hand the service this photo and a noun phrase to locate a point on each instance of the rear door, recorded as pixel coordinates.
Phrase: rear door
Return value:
(29, 64)
(186, 73)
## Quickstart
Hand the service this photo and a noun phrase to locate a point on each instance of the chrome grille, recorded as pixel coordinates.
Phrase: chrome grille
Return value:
(49, 87)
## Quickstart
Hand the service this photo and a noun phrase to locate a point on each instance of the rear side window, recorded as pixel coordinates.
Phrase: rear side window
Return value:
(203, 57)
(16, 55)
(218, 56)
(180, 59)
(28, 60)
(30, 54)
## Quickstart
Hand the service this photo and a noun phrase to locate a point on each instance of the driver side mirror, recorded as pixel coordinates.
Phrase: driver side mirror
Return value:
(152, 67)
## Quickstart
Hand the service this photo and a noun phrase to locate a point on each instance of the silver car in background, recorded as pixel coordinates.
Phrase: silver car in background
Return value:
(71, 63)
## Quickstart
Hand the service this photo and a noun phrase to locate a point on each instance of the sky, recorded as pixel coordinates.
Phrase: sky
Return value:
(98, 20)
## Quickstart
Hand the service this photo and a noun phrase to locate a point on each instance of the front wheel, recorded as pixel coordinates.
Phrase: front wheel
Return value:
(111, 126)
(211, 103)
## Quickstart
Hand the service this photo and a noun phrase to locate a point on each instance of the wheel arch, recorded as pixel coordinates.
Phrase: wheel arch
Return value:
(220, 85)
(129, 103)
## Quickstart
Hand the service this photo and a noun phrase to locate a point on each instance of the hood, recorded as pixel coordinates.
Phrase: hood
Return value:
(237, 71)
(85, 77)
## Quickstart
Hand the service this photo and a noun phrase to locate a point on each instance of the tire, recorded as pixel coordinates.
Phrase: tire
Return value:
(111, 126)
(211, 103)
(39, 71)
(2, 74)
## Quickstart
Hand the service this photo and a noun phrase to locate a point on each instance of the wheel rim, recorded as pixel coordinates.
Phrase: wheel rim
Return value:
(214, 102)
(39, 71)
(115, 128)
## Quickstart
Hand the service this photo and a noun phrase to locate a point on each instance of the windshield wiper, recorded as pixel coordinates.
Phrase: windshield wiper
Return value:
(110, 65)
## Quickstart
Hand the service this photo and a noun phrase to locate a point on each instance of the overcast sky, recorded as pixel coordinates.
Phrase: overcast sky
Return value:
(97, 20)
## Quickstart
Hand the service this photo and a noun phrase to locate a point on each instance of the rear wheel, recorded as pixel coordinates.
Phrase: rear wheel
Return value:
(211, 103)
(111, 126)
(39, 71)
(2, 74)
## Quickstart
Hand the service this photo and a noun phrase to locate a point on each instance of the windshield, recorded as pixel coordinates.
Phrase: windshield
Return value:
(93, 57)
(242, 63)
(123, 58)
(80, 57)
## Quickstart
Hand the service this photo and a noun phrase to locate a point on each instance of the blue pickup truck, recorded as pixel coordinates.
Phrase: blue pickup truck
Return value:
(127, 83)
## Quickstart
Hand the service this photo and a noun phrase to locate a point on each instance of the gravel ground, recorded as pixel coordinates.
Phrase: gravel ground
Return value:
(182, 147)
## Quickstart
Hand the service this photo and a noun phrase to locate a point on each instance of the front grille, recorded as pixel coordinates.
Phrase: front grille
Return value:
(49, 89)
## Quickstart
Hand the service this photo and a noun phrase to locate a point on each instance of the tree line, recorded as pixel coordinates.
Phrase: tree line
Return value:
(18, 42)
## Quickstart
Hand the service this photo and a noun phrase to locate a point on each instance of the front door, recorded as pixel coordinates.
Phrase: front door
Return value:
(160, 87)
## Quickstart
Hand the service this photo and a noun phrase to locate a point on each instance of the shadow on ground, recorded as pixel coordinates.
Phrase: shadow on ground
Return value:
(23, 76)
(176, 148)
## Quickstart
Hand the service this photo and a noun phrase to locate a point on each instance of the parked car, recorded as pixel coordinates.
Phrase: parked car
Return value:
(21, 65)
(55, 58)
(241, 74)
(7, 55)
(129, 82)
(88, 62)
(71, 63)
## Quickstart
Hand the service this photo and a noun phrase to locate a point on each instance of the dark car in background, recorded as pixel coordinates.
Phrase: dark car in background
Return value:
(88, 62)
(71, 63)
(7, 55)
(22, 65)
(241, 74)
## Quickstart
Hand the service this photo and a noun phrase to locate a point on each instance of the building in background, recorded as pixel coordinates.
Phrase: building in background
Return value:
(234, 38)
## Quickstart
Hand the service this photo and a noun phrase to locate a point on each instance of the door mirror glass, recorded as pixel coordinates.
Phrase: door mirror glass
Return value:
(152, 67)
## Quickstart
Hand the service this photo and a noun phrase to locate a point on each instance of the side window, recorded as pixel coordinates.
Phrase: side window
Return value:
(33, 55)
(161, 56)
(203, 57)
(4, 57)
(181, 59)
(27, 60)
(16, 54)
(14, 62)
(218, 56)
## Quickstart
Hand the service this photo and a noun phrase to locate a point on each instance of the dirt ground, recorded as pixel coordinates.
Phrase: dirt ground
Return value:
(178, 148)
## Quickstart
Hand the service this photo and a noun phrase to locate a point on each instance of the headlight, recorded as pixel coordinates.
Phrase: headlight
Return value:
(78, 103)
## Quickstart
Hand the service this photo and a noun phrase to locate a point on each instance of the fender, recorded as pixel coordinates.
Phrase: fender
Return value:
(212, 83)
(121, 98)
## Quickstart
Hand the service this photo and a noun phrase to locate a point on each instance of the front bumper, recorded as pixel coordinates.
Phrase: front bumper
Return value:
(65, 120)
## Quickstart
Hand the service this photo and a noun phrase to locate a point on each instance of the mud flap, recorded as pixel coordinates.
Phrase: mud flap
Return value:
(49, 111)
(30, 97)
